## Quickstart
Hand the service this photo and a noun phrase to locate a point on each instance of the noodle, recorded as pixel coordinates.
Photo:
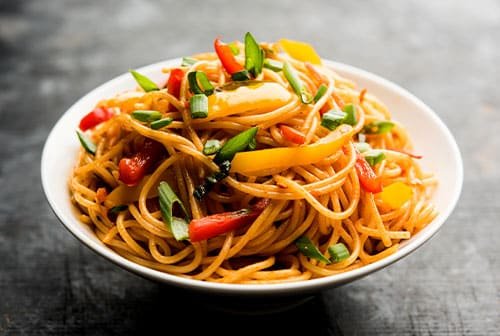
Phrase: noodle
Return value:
(323, 200)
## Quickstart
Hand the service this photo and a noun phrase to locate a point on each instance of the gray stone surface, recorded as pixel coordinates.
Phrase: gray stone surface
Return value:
(52, 52)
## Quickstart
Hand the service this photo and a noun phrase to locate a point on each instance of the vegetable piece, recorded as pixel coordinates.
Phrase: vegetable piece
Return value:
(292, 135)
(87, 144)
(236, 144)
(157, 124)
(95, 117)
(226, 57)
(320, 93)
(244, 96)
(174, 82)
(301, 51)
(214, 225)
(198, 104)
(196, 77)
(362, 146)
(212, 146)
(254, 55)
(333, 119)
(188, 61)
(252, 145)
(378, 127)
(369, 181)
(338, 252)
(117, 209)
(207, 185)
(133, 169)
(273, 65)
(350, 111)
(373, 157)
(296, 84)
(396, 194)
(146, 115)
(234, 48)
(177, 226)
(144, 82)
(307, 248)
(261, 161)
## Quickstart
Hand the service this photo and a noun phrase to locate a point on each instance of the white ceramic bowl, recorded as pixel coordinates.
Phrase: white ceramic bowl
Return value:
(430, 136)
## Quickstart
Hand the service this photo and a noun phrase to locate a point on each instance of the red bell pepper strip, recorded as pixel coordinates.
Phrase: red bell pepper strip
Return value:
(95, 117)
(214, 225)
(227, 58)
(292, 135)
(133, 169)
(369, 181)
(174, 82)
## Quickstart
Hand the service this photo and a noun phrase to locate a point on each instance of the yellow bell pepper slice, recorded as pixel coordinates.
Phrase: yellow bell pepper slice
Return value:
(301, 51)
(396, 194)
(261, 162)
(256, 97)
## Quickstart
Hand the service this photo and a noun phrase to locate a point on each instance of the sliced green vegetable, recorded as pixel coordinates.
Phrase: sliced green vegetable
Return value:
(87, 144)
(234, 48)
(188, 61)
(254, 55)
(333, 119)
(350, 117)
(374, 157)
(338, 252)
(211, 147)
(296, 84)
(240, 76)
(198, 105)
(117, 209)
(156, 125)
(320, 93)
(307, 248)
(273, 65)
(236, 144)
(177, 226)
(146, 115)
(200, 77)
(252, 145)
(144, 82)
(362, 146)
(378, 127)
(204, 188)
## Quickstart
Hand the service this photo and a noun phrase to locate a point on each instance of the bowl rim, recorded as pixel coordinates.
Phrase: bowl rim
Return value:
(287, 288)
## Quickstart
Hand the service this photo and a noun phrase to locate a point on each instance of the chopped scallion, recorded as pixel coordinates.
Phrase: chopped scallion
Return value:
(307, 248)
(234, 48)
(144, 82)
(333, 119)
(156, 125)
(378, 127)
(273, 65)
(87, 144)
(203, 189)
(373, 157)
(320, 93)
(146, 115)
(254, 55)
(236, 144)
(242, 75)
(188, 61)
(296, 84)
(198, 105)
(350, 117)
(212, 146)
(177, 226)
(200, 77)
(338, 252)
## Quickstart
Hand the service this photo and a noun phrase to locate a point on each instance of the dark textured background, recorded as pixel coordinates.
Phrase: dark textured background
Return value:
(53, 52)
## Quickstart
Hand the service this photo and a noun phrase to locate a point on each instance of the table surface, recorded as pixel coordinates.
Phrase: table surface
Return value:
(53, 52)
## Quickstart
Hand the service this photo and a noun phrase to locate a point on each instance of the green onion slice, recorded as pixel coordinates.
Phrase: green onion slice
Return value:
(307, 248)
(362, 146)
(242, 75)
(119, 208)
(373, 157)
(146, 115)
(236, 144)
(254, 55)
(198, 105)
(87, 144)
(234, 48)
(144, 82)
(350, 117)
(296, 84)
(211, 147)
(188, 61)
(204, 188)
(378, 127)
(200, 77)
(338, 252)
(157, 124)
(273, 65)
(177, 226)
(320, 93)
(333, 119)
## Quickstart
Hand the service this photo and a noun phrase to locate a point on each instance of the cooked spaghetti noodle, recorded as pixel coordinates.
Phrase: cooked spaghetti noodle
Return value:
(322, 198)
